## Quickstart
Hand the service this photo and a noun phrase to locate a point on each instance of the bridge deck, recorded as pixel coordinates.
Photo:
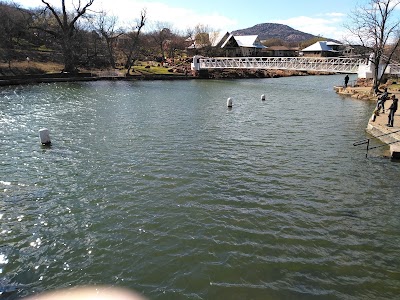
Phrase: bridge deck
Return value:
(331, 64)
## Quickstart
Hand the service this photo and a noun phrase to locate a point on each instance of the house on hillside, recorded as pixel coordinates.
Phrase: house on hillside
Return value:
(323, 49)
(218, 38)
(201, 40)
(226, 44)
(245, 45)
(282, 51)
(356, 51)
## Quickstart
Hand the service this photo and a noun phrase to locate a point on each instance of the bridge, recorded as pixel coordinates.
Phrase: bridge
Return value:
(319, 64)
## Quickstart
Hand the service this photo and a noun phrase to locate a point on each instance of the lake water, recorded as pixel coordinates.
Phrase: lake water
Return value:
(159, 187)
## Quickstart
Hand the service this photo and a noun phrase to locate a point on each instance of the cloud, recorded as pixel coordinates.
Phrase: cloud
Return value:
(179, 18)
(327, 25)
(128, 11)
(334, 14)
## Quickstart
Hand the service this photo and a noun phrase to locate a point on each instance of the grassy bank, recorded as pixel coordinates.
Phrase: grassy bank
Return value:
(25, 68)
(18, 68)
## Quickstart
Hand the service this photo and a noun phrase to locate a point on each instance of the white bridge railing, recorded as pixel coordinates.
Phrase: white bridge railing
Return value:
(322, 64)
(394, 69)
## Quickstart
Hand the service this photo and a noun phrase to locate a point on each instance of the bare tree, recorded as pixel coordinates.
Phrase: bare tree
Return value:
(105, 25)
(133, 42)
(202, 34)
(176, 45)
(190, 34)
(161, 35)
(12, 25)
(376, 26)
(65, 31)
(203, 38)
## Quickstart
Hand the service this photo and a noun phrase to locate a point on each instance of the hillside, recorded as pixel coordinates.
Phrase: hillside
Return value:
(267, 31)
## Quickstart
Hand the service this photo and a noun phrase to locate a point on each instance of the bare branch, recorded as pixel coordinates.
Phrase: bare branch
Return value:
(53, 11)
(374, 25)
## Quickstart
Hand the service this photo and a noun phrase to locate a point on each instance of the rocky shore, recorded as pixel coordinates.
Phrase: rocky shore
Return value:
(377, 126)
(64, 77)
(362, 89)
(251, 73)
(363, 93)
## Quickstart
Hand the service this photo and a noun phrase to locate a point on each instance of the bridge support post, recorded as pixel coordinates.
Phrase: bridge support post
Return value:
(203, 73)
(196, 63)
(395, 151)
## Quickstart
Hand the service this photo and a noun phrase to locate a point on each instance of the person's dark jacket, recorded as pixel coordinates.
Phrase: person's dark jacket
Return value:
(393, 106)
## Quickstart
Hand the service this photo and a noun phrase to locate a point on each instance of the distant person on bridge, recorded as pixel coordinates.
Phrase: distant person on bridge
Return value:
(392, 110)
(346, 81)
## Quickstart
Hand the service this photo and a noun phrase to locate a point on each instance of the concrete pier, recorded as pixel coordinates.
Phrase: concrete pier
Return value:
(395, 151)
(388, 135)
(378, 128)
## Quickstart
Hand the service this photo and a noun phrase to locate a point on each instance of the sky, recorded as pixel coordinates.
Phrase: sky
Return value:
(323, 18)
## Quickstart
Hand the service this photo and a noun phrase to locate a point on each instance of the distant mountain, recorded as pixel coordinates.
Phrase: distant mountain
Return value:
(266, 31)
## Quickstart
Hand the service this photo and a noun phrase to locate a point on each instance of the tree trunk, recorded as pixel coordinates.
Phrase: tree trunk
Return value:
(129, 65)
(134, 43)
(162, 50)
(376, 77)
(110, 52)
(69, 59)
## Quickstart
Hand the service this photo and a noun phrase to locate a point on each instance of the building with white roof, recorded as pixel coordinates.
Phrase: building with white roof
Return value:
(229, 45)
(322, 49)
(218, 38)
(243, 45)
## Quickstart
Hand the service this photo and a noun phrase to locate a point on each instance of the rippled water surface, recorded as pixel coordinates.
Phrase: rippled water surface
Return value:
(159, 187)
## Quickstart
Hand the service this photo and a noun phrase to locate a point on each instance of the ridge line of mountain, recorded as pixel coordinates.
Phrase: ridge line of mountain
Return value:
(267, 31)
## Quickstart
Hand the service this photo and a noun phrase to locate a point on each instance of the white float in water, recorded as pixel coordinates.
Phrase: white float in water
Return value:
(229, 102)
(44, 136)
(263, 97)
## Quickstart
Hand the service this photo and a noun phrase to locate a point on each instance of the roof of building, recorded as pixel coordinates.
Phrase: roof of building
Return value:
(330, 43)
(246, 41)
(222, 39)
(318, 46)
(321, 46)
(217, 38)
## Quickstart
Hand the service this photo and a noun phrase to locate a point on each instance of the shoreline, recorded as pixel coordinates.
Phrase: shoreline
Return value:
(378, 129)
(50, 78)
(214, 74)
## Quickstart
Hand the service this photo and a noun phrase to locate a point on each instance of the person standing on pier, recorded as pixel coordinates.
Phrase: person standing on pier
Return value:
(346, 81)
(381, 101)
(392, 110)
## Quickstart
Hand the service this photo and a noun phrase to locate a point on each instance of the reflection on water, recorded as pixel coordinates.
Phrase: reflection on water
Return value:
(159, 187)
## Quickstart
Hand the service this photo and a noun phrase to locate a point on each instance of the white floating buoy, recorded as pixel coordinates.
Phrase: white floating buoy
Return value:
(263, 97)
(44, 136)
(229, 102)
